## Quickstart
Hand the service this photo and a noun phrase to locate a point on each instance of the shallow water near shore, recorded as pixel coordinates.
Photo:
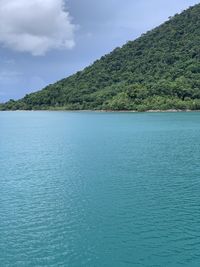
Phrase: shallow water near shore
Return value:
(99, 189)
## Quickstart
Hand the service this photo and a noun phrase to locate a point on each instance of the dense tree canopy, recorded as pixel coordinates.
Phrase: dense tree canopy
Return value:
(159, 70)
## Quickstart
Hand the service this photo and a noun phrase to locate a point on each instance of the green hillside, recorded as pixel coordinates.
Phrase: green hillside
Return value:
(159, 70)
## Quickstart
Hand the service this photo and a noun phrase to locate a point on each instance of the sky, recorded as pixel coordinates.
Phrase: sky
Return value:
(43, 41)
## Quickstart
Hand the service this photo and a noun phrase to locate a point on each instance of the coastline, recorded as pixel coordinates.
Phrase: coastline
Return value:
(105, 111)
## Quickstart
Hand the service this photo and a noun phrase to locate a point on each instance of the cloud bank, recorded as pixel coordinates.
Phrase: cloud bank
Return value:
(35, 26)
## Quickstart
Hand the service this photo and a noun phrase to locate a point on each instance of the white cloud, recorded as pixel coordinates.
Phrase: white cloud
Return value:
(35, 26)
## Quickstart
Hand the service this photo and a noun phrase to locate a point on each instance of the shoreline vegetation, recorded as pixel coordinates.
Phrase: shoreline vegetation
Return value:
(158, 71)
(155, 104)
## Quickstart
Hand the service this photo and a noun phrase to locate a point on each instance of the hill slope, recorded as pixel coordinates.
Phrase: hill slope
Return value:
(159, 70)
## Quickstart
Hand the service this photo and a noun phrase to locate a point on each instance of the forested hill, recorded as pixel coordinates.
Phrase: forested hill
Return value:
(159, 70)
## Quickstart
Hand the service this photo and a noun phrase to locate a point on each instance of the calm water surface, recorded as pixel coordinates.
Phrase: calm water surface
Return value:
(99, 189)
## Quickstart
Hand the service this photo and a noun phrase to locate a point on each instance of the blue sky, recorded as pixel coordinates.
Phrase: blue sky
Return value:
(42, 41)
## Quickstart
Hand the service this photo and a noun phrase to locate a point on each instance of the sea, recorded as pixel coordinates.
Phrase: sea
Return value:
(99, 189)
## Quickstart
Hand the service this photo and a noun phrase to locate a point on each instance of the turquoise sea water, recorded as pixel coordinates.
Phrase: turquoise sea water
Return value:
(99, 189)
